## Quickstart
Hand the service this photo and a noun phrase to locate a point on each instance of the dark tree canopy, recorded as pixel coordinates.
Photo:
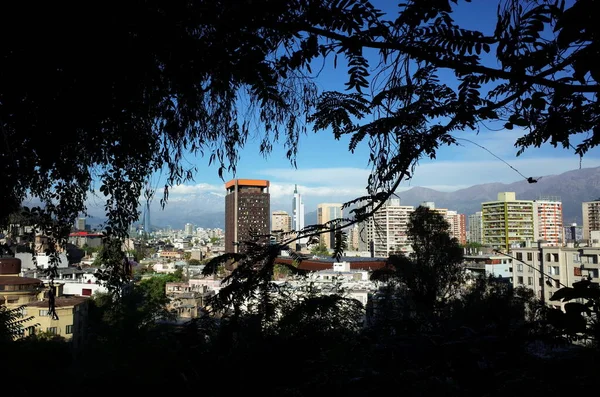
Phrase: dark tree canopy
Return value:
(432, 272)
(120, 92)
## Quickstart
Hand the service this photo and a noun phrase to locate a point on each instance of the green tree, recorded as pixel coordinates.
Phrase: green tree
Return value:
(432, 272)
(319, 250)
(194, 262)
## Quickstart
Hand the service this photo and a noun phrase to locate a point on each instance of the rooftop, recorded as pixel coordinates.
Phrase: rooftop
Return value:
(85, 234)
(16, 280)
(247, 182)
(61, 301)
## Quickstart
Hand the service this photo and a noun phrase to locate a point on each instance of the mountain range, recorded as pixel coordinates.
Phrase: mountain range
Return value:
(572, 188)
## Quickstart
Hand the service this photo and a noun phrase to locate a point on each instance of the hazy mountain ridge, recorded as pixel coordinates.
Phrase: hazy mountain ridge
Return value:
(573, 187)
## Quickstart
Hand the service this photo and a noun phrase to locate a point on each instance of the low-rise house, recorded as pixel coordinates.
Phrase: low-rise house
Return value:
(186, 300)
(32, 296)
(73, 281)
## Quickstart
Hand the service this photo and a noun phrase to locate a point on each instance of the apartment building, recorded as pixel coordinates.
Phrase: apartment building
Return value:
(388, 228)
(281, 223)
(475, 228)
(457, 222)
(548, 220)
(507, 222)
(591, 218)
(458, 226)
(561, 266)
(327, 212)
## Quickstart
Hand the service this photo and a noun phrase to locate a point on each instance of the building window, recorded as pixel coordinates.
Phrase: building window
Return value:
(555, 257)
(43, 313)
(530, 256)
(69, 329)
(31, 330)
(576, 257)
(519, 256)
(520, 280)
(52, 330)
(548, 258)
(554, 270)
(519, 267)
(86, 292)
(529, 280)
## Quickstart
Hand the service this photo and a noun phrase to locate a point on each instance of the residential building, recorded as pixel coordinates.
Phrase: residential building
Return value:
(388, 229)
(327, 212)
(69, 322)
(31, 294)
(247, 210)
(298, 215)
(189, 229)
(548, 220)
(489, 265)
(562, 266)
(476, 228)
(507, 222)
(81, 238)
(458, 226)
(186, 299)
(591, 217)
(72, 281)
(281, 222)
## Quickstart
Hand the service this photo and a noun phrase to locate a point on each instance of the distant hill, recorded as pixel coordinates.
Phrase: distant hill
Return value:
(572, 187)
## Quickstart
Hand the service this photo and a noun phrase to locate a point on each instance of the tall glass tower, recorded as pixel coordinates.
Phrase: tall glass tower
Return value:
(298, 214)
(147, 219)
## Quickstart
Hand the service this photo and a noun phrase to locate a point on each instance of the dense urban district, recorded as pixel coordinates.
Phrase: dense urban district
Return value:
(513, 255)
(107, 107)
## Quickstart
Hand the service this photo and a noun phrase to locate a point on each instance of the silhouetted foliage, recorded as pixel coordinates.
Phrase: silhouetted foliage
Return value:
(432, 272)
(183, 69)
(580, 319)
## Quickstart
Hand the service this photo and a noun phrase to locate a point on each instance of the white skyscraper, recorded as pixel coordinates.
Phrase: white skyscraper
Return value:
(388, 229)
(298, 214)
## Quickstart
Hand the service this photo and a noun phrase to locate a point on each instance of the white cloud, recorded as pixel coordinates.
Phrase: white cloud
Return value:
(338, 176)
(181, 190)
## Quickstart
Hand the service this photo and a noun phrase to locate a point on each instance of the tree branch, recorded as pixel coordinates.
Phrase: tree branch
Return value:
(354, 41)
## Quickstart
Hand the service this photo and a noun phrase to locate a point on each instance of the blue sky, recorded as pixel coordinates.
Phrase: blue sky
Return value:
(327, 172)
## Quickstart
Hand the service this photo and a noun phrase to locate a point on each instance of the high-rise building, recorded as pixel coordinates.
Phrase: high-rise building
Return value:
(548, 220)
(458, 226)
(591, 217)
(327, 212)
(507, 222)
(189, 229)
(247, 210)
(572, 233)
(476, 228)
(281, 221)
(298, 214)
(388, 228)
(147, 224)
(81, 224)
